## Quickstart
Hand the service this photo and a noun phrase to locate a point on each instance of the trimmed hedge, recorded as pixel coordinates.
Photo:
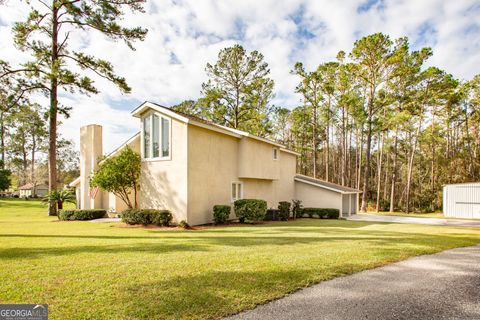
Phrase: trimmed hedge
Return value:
(221, 213)
(272, 215)
(250, 210)
(77, 214)
(322, 213)
(284, 210)
(147, 216)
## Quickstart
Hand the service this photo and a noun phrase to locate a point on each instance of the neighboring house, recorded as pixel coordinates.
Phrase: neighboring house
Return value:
(189, 165)
(462, 200)
(29, 190)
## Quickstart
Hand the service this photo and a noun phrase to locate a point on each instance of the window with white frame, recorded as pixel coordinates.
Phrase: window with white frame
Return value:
(275, 153)
(156, 137)
(237, 191)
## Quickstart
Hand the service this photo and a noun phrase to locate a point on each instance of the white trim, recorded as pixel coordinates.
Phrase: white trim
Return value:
(325, 187)
(236, 190)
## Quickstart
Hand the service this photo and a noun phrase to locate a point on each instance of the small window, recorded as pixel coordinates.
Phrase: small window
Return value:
(156, 136)
(146, 137)
(275, 154)
(237, 191)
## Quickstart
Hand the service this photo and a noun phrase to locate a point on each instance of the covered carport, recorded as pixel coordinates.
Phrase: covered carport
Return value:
(316, 193)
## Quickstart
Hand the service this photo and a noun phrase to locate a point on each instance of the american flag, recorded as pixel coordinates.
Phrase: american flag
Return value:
(93, 192)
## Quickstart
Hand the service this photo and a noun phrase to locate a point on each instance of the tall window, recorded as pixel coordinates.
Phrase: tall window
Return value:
(237, 191)
(156, 137)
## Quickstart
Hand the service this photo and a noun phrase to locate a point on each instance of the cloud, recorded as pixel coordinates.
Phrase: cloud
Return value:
(169, 65)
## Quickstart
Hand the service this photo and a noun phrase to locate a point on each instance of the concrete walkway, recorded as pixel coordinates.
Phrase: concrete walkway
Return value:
(445, 285)
(415, 220)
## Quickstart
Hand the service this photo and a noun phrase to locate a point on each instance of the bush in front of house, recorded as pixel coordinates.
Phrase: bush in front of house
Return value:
(272, 215)
(297, 209)
(221, 213)
(250, 210)
(147, 216)
(85, 214)
(322, 213)
(284, 210)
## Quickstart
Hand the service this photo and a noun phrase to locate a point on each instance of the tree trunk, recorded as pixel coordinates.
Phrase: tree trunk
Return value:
(394, 171)
(60, 204)
(366, 172)
(379, 176)
(32, 173)
(52, 149)
(410, 170)
(2, 138)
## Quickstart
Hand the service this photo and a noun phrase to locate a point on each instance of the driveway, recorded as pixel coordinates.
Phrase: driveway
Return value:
(416, 220)
(445, 285)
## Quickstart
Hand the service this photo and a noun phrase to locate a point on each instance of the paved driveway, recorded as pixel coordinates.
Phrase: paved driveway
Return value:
(416, 220)
(440, 286)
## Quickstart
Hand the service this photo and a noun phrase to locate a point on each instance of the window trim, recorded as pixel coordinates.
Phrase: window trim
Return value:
(142, 138)
(232, 199)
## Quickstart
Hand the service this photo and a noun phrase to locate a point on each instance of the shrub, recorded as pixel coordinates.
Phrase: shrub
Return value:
(272, 215)
(284, 210)
(87, 214)
(221, 213)
(322, 213)
(250, 210)
(184, 224)
(297, 209)
(147, 216)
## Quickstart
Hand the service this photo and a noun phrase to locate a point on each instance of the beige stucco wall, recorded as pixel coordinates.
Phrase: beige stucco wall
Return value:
(163, 183)
(212, 167)
(111, 202)
(256, 160)
(316, 197)
(90, 152)
(213, 164)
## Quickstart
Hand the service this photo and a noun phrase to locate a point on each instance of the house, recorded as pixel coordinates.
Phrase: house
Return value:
(462, 200)
(30, 189)
(189, 165)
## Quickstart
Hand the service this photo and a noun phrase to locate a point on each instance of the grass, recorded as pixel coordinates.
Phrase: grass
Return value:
(403, 214)
(438, 215)
(85, 270)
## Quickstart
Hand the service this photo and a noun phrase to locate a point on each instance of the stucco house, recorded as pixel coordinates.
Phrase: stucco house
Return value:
(189, 165)
(30, 189)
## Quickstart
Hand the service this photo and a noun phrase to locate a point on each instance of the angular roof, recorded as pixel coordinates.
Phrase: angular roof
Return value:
(325, 185)
(194, 120)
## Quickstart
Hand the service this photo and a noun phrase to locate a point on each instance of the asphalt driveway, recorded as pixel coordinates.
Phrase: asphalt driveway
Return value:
(416, 220)
(445, 285)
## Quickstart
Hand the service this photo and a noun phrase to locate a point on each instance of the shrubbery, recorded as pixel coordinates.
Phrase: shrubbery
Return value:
(221, 213)
(322, 213)
(147, 216)
(250, 210)
(284, 210)
(77, 214)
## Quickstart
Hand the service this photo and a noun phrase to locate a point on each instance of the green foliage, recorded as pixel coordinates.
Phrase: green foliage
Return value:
(238, 91)
(296, 209)
(184, 224)
(147, 216)
(85, 214)
(250, 210)
(221, 213)
(284, 210)
(120, 175)
(5, 180)
(322, 213)
(60, 197)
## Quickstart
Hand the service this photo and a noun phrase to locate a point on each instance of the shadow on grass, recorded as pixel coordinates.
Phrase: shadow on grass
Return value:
(211, 241)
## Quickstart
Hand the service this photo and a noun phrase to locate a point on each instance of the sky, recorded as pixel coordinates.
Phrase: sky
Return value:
(169, 66)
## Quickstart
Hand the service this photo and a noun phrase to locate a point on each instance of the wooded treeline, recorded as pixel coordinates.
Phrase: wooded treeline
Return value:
(377, 119)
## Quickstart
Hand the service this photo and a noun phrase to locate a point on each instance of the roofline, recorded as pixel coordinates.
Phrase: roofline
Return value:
(290, 151)
(74, 182)
(214, 127)
(299, 179)
(119, 148)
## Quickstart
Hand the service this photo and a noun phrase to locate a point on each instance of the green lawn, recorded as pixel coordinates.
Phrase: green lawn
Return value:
(85, 270)
(403, 214)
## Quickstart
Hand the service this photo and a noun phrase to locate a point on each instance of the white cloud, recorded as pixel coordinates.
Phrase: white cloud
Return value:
(168, 66)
